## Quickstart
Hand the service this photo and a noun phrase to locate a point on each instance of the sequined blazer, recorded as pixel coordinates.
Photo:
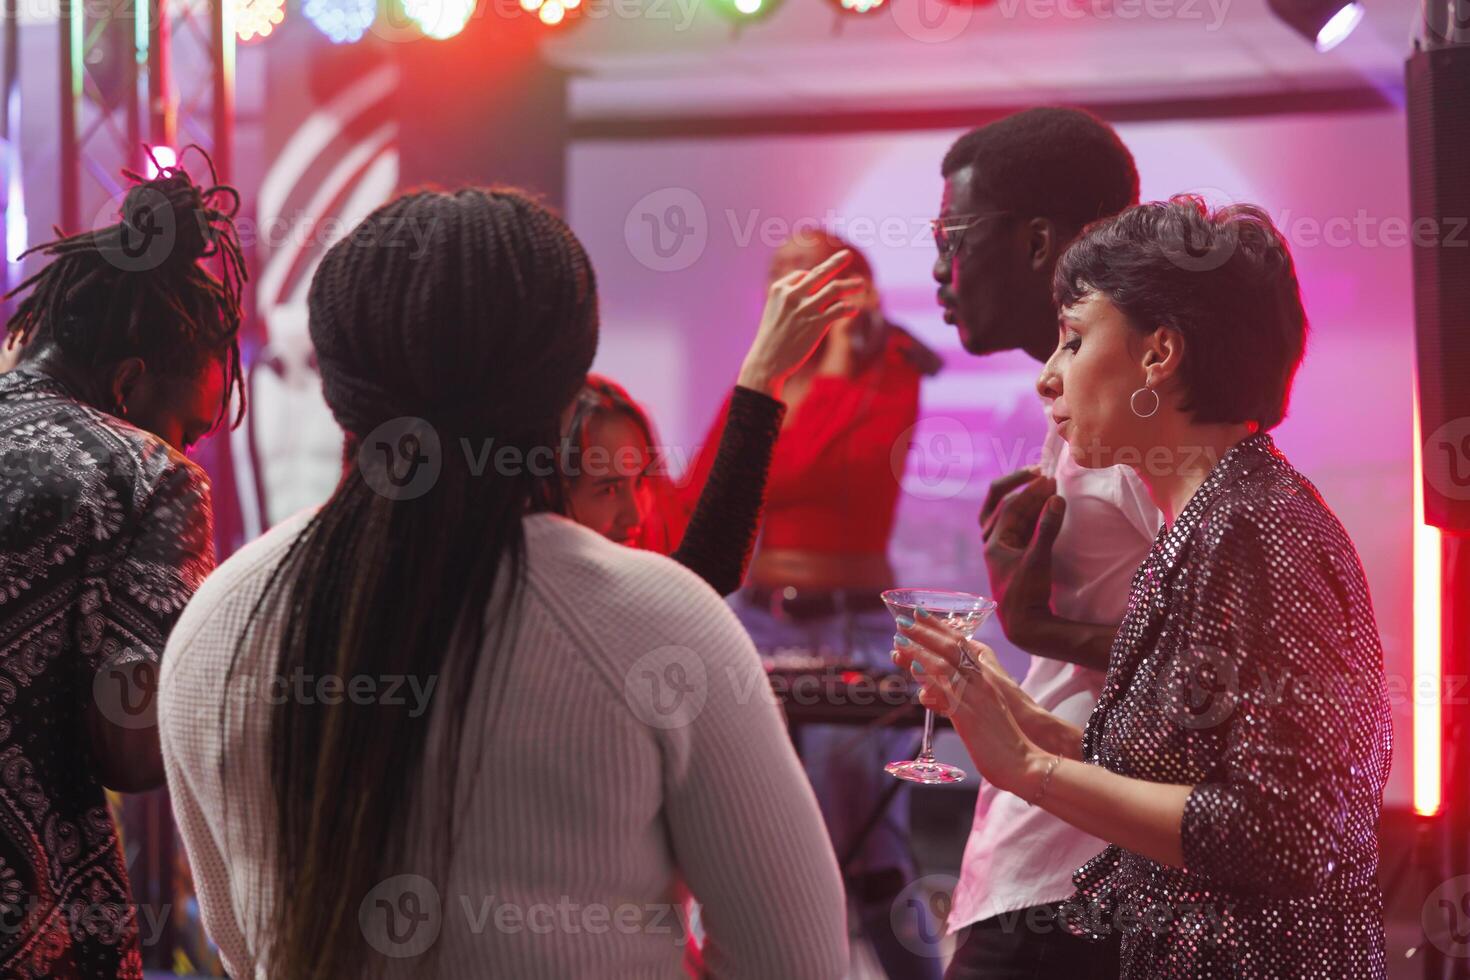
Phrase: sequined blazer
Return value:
(1248, 666)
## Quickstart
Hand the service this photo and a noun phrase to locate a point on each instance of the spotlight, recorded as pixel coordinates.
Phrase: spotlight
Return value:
(1326, 23)
(342, 21)
(742, 11)
(439, 19)
(165, 156)
(552, 13)
(257, 18)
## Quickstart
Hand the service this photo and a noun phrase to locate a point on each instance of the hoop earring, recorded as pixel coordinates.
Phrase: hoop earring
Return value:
(1133, 403)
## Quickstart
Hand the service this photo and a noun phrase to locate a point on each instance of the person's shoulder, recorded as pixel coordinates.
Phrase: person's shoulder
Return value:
(259, 556)
(582, 563)
(161, 469)
(229, 592)
(642, 622)
(105, 461)
(1276, 512)
(624, 600)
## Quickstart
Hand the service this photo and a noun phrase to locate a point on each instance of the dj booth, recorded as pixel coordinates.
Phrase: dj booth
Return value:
(817, 693)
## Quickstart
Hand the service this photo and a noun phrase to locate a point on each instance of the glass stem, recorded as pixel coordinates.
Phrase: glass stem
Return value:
(926, 749)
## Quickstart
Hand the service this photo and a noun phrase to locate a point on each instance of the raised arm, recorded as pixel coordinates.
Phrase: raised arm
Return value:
(721, 533)
(1035, 755)
(728, 484)
(1270, 611)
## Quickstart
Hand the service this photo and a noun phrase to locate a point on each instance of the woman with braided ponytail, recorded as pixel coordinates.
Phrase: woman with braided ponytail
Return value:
(127, 354)
(435, 728)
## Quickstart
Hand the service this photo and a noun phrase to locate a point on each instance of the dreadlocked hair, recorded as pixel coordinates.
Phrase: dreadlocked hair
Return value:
(137, 288)
(471, 315)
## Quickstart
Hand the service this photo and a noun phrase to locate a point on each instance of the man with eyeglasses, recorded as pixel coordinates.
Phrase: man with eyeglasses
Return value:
(1016, 192)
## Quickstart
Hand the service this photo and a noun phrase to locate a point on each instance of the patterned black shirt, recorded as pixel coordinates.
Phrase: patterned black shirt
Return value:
(104, 535)
(1248, 666)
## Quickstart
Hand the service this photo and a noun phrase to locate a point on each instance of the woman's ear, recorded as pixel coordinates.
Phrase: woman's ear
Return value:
(1163, 355)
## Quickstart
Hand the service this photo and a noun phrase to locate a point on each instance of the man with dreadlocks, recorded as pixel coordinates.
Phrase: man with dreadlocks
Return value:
(128, 355)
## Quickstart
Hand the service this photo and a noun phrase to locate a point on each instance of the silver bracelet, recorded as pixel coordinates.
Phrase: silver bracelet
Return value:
(1056, 760)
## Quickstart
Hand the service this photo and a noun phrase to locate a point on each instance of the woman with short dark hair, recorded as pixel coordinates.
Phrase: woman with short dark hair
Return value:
(1237, 755)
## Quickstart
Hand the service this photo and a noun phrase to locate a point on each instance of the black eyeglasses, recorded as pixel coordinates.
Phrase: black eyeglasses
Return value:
(949, 233)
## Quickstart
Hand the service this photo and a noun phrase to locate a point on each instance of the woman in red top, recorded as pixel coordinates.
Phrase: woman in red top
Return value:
(614, 476)
(838, 463)
(822, 561)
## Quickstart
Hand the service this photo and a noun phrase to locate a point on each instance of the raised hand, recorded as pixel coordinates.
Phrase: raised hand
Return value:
(800, 307)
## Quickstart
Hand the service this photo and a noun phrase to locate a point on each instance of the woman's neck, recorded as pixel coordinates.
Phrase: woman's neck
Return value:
(1181, 460)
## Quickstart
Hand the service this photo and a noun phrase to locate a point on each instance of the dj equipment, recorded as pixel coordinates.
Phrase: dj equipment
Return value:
(798, 604)
(851, 696)
(847, 696)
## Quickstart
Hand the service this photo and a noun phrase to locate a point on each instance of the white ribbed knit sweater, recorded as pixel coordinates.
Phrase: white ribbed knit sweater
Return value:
(602, 790)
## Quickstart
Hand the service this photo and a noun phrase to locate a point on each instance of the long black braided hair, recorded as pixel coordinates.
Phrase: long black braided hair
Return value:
(137, 288)
(474, 313)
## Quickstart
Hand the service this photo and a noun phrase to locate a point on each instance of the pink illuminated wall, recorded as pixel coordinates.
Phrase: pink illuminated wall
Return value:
(681, 231)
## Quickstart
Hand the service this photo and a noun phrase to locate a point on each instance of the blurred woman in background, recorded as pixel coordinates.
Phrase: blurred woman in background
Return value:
(616, 479)
(822, 562)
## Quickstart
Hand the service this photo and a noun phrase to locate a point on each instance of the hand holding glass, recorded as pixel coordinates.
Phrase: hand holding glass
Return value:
(963, 611)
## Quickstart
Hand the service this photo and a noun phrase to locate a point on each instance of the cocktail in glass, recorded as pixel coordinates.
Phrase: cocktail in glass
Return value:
(965, 612)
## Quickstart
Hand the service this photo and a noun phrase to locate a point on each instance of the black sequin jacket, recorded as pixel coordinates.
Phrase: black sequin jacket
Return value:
(1249, 667)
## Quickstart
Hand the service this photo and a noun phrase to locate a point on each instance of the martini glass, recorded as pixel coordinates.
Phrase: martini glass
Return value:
(965, 612)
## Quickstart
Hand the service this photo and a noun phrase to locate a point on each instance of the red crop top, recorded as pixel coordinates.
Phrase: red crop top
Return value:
(838, 464)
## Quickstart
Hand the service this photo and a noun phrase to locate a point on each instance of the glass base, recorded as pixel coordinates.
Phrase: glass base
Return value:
(925, 771)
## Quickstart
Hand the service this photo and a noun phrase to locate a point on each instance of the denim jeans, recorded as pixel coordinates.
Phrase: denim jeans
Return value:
(845, 765)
